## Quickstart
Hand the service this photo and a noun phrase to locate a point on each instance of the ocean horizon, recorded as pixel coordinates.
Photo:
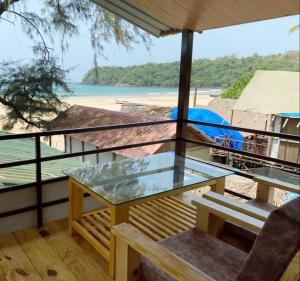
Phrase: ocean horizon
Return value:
(84, 91)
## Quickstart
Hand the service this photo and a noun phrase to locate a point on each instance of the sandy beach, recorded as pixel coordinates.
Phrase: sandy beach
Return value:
(114, 103)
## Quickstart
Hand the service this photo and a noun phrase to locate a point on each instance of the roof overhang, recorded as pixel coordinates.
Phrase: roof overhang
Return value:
(171, 16)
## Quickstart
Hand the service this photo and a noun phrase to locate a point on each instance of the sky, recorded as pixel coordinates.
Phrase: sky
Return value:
(265, 37)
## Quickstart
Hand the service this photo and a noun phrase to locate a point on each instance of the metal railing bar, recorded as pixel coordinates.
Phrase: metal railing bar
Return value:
(234, 193)
(18, 211)
(121, 147)
(84, 130)
(31, 184)
(75, 154)
(38, 176)
(236, 171)
(35, 207)
(257, 156)
(259, 132)
(17, 187)
(17, 163)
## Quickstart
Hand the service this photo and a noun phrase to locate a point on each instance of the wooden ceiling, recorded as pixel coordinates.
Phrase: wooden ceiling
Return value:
(163, 17)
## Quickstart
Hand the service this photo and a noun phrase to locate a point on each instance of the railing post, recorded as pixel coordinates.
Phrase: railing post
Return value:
(38, 171)
(184, 90)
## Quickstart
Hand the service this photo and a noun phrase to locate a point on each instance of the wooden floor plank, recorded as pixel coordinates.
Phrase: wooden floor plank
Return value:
(14, 264)
(55, 255)
(83, 261)
(48, 264)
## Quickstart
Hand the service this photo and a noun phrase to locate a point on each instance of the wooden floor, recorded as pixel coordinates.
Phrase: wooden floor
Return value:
(52, 254)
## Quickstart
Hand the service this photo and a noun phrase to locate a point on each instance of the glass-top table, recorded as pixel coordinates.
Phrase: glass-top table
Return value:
(270, 177)
(129, 184)
(119, 182)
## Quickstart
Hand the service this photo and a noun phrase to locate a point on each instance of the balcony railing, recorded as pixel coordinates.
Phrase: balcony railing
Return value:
(39, 159)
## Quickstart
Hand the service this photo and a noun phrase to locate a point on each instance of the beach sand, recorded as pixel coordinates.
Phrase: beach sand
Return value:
(113, 103)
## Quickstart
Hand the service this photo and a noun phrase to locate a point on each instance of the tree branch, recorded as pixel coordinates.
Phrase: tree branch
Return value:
(35, 27)
(5, 5)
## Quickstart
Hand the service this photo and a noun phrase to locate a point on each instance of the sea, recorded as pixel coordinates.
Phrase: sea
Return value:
(84, 91)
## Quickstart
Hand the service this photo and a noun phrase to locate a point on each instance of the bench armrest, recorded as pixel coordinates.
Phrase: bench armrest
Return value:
(127, 235)
(205, 206)
(246, 209)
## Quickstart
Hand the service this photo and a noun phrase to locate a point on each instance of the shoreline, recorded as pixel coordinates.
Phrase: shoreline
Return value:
(115, 102)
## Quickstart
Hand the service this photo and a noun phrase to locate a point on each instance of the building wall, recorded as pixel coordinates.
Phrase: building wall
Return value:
(27, 197)
(74, 145)
(285, 149)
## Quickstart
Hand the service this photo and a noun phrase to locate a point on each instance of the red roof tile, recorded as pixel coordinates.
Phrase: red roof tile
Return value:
(78, 116)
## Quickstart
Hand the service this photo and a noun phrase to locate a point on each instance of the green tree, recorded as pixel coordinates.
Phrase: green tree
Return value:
(238, 86)
(221, 72)
(28, 92)
(62, 18)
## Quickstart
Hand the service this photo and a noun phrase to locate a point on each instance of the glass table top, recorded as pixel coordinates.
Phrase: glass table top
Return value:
(126, 180)
(274, 175)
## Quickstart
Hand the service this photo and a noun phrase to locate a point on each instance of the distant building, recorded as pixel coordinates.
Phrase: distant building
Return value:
(78, 116)
(24, 149)
(275, 94)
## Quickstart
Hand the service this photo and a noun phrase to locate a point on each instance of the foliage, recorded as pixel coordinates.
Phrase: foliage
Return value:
(62, 18)
(221, 72)
(295, 28)
(235, 90)
(28, 92)
(56, 20)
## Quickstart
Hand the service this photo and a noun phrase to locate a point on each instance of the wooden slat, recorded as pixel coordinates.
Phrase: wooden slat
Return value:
(237, 206)
(100, 219)
(164, 218)
(99, 225)
(153, 222)
(92, 240)
(185, 206)
(93, 230)
(78, 255)
(177, 207)
(14, 264)
(176, 215)
(229, 214)
(146, 230)
(44, 259)
(139, 217)
(159, 221)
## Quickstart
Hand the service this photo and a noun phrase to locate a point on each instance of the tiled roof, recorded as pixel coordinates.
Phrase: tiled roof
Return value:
(78, 116)
(24, 149)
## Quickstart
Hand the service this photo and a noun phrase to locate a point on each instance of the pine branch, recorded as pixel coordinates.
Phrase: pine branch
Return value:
(4, 5)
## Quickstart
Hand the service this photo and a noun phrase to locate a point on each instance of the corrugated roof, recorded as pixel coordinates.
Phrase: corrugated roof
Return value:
(24, 149)
(78, 116)
(271, 92)
(170, 16)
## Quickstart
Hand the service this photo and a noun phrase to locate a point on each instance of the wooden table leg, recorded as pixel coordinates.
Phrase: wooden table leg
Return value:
(75, 204)
(219, 186)
(214, 223)
(119, 214)
(265, 192)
